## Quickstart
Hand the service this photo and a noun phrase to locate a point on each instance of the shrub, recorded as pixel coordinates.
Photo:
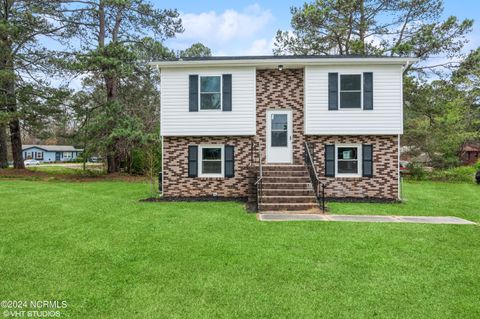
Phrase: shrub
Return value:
(457, 174)
(476, 166)
(416, 170)
(138, 162)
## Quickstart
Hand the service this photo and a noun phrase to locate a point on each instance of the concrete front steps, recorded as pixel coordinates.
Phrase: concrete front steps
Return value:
(287, 188)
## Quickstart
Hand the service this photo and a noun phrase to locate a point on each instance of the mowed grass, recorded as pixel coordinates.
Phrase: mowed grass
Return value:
(110, 256)
(91, 170)
(424, 198)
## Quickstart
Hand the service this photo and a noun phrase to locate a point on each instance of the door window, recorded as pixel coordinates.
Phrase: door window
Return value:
(279, 130)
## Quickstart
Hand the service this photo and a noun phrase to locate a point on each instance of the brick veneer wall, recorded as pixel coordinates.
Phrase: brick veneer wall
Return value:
(278, 90)
(383, 184)
(176, 182)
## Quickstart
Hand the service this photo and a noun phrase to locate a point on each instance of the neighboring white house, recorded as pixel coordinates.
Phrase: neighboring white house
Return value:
(51, 153)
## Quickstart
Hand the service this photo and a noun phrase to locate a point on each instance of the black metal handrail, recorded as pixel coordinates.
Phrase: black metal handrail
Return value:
(318, 187)
(259, 182)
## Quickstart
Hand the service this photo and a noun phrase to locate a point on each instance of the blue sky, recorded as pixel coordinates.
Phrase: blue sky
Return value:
(252, 25)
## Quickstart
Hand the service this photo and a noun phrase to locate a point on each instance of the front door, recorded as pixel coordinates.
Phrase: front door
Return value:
(279, 136)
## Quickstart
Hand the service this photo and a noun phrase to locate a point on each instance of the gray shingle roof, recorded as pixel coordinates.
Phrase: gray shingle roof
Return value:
(54, 148)
(275, 57)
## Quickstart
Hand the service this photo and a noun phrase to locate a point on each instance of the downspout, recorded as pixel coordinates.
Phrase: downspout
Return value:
(161, 137)
(400, 184)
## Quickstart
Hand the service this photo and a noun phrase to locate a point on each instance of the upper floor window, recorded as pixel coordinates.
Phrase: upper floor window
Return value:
(351, 91)
(210, 93)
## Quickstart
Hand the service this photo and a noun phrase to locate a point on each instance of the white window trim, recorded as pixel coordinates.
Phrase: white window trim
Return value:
(340, 91)
(200, 162)
(200, 93)
(359, 160)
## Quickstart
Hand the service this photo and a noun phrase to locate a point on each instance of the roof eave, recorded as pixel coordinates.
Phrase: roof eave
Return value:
(285, 61)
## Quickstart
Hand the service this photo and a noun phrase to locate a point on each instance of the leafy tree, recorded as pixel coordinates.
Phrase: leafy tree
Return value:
(111, 32)
(196, 50)
(135, 126)
(22, 59)
(467, 77)
(380, 27)
(439, 119)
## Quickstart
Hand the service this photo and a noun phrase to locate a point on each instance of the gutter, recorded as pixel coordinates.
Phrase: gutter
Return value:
(285, 61)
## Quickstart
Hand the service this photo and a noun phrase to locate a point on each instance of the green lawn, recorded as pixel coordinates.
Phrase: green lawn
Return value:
(91, 170)
(424, 198)
(110, 256)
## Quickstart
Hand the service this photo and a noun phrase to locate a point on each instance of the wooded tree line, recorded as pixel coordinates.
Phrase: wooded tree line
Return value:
(115, 111)
(105, 43)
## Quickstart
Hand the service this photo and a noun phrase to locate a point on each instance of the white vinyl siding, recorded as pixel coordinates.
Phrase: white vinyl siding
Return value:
(176, 120)
(385, 118)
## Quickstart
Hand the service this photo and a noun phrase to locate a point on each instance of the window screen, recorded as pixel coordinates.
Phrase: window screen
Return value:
(210, 93)
(279, 129)
(350, 91)
(347, 160)
(211, 160)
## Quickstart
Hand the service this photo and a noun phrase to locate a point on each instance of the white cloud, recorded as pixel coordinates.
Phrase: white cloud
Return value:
(260, 47)
(224, 26)
(225, 31)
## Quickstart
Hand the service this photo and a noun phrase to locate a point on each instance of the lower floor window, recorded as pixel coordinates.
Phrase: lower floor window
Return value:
(348, 158)
(211, 160)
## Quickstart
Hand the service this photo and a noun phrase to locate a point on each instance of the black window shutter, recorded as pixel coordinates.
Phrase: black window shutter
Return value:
(368, 91)
(227, 92)
(330, 160)
(333, 91)
(193, 93)
(192, 161)
(229, 161)
(367, 160)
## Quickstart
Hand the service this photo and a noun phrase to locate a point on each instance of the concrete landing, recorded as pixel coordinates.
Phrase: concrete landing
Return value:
(271, 217)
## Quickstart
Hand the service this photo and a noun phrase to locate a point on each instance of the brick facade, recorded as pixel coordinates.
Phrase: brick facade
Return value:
(281, 90)
(383, 184)
(176, 182)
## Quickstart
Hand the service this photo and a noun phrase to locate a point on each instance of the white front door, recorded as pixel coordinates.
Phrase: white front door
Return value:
(279, 136)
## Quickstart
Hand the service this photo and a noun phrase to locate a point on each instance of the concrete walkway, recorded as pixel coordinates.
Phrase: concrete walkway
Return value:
(280, 217)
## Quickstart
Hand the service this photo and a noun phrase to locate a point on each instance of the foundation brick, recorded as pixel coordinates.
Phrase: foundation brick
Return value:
(176, 182)
(383, 184)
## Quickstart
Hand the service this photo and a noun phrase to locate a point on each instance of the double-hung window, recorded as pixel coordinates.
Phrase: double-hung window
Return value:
(350, 91)
(210, 92)
(349, 159)
(211, 160)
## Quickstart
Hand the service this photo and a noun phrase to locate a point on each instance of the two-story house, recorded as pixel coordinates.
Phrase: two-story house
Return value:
(295, 119)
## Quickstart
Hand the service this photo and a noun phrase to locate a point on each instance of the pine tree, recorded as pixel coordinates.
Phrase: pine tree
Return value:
(108, 31)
